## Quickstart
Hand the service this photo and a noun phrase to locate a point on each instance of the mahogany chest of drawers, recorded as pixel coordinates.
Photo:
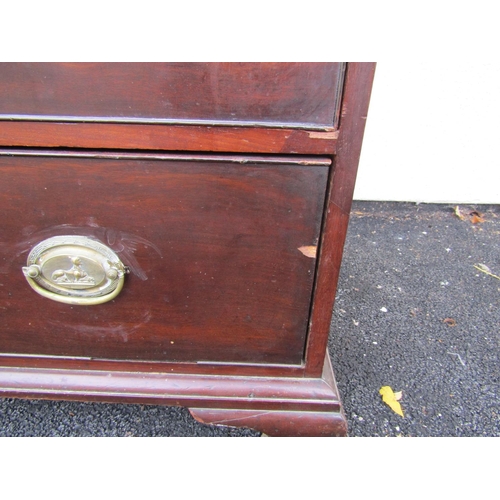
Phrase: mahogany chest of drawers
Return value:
(172, 234)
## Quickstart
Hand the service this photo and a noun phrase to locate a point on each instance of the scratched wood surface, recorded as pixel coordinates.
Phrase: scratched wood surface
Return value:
(217, 274)
(293, 94)
(167, 137)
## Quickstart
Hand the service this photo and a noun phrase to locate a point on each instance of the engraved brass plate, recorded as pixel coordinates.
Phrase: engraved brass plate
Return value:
(75, 270)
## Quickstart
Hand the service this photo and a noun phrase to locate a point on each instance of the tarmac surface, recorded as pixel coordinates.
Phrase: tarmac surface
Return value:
(417, 309)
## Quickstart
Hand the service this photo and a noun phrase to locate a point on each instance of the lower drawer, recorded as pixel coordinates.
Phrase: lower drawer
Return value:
(214, 246)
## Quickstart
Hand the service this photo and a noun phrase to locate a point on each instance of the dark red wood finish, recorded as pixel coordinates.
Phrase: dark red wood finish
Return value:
(294, 94)
(277, 406)
(249, 348)
(212, 245)
(277, 423)
(357, 90)
(193, 390)
(118, 136)
(109, 365)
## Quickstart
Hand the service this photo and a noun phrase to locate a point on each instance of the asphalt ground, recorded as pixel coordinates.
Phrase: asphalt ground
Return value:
(414, 313)
(417, 309)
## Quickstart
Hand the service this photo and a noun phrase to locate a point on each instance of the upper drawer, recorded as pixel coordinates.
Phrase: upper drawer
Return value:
(295, 95)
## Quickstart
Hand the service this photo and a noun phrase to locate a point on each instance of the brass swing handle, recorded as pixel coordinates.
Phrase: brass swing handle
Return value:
(75, 270)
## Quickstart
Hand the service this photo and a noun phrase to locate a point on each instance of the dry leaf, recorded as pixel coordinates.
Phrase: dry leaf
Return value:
(476, 217)
(309, 251)
(458, 214)
(389, 398)
(486, 270)
(450, 321)
(482, 267)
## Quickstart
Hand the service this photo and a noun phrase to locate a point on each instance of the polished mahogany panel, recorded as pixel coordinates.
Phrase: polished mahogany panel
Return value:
(291, 94)
(212, 244)
(167, 137)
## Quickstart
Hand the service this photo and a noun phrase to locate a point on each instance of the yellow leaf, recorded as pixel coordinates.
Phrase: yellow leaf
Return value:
(389, 398)
(458, 213)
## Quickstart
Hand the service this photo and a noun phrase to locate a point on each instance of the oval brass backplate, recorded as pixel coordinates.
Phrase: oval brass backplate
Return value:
(75, 270)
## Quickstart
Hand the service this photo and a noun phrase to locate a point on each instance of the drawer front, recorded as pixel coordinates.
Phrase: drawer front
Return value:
(291, 94)
(212, 245)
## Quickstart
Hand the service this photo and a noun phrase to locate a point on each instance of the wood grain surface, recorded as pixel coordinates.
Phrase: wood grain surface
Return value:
(296, 94)
(167, 137)
(357, 91)
(213, 248)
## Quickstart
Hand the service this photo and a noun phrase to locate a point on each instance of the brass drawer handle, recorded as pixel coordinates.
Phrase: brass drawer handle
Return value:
(75, 270)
